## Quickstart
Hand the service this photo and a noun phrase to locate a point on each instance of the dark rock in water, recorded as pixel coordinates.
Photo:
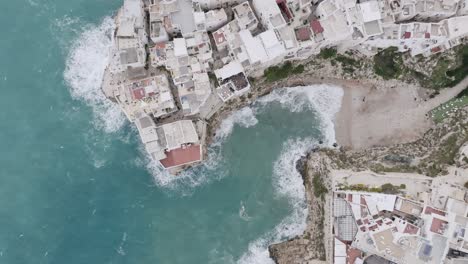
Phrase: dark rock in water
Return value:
(335, 145)
(274, 253)
(321, 142)
(301, 165)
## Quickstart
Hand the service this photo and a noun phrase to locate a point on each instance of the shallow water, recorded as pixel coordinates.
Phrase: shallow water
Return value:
(76, 186)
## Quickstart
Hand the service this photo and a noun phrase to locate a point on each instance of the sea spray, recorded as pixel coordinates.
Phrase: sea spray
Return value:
(245, 117)
(326, 101)
(203, 173)
(85, 66)
(288, 183)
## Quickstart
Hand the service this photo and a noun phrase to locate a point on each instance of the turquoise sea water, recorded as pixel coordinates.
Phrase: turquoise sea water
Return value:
(76, 186)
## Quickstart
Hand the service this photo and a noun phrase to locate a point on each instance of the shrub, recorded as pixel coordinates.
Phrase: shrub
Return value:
(276, 73)
(388, 63)
(389, 188)
(327, 53)
(319, 188)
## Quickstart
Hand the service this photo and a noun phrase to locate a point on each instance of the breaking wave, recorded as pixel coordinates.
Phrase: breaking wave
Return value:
(288, 183)
(211, 169)
(186, 182)
(85, 66)
(244, 117)
(324, 99)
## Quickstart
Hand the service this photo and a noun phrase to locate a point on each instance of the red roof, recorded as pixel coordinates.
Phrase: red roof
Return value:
(161, 45)
(411, 229)
(430, 210)
(436, 49)
(219, 37)
(407, 35)
(427, 35)
(352, 254)
(303, 34)
(181, 156)
(438, 226)
(316, 26)
(284, 8)
(363, 200)
(139, 93)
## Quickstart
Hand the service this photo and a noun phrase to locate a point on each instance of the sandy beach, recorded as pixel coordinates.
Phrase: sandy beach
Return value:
(377, 113)
(372, 113)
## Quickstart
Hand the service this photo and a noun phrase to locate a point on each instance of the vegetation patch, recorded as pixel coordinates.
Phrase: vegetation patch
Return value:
(276, 73)
(319, 188)
(388, 63)
(439, 113)
(327, 53)
(438, 78)
(444, 155)
(379, 168)
(446, 73)
(447, 151)
(461, 71)
(386, 188)
(349, 64)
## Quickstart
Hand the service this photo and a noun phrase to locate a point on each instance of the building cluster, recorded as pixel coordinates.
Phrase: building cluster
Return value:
(383, 228)
(186, 58)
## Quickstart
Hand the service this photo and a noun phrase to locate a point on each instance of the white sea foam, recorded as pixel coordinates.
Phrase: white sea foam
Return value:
(84, 71)
(211, 168)
(288, 183)
(244, 117)
(324, 99)
(185, 182)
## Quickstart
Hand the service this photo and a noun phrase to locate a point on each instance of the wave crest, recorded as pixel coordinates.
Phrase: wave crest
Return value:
(85, 66)
(288, 183)
(211, 168)
(324, 99)
(244, 117)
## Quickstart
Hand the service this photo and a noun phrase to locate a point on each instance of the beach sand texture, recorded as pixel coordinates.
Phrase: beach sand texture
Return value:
(384, 113)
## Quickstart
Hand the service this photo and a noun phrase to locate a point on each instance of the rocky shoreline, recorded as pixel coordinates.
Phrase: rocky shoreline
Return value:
(309, 247)
(436, 152)
(315, 245)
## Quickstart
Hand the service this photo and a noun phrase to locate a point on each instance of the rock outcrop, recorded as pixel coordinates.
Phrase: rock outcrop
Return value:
(311, 247)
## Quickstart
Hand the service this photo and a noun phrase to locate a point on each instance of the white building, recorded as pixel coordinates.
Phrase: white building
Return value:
(211, 20)
(129, 54)
(245, 16)
(269, 14)
(232, 80)
(149, 96)
(211, 4)
(173, 145)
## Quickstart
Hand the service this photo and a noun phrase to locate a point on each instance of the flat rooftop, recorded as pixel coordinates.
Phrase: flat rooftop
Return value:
(184, 17)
